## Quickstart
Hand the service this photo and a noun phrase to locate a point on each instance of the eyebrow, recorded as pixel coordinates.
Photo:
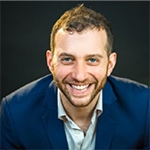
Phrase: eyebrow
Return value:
(94, 55)
(65, 54)
(87, 56)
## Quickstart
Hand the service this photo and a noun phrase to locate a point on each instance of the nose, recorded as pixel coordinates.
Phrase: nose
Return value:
(79, 72)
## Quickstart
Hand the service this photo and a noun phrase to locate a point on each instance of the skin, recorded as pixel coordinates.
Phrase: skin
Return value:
(80, 67)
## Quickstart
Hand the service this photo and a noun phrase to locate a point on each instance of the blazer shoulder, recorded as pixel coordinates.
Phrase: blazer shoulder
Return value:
(125, 82)
(33, 88)
(128, 87)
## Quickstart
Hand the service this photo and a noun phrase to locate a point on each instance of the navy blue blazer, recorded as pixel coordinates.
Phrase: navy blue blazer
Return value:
(29, 118)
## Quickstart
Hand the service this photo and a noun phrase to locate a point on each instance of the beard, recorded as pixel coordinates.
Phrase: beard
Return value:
(99, 84)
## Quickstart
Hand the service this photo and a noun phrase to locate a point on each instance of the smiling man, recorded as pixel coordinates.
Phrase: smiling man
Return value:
(79, 106)
(80, 65)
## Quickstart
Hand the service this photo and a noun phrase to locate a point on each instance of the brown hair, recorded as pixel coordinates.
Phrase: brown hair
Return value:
(80, 18)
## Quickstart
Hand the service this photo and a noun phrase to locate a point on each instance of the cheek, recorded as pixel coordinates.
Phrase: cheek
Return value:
(60, 72)
(99, 72)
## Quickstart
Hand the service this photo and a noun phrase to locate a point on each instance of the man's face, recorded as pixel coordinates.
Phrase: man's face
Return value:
(80, 65)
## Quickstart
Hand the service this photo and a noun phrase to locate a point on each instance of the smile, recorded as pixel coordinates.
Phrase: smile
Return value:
(80, 88)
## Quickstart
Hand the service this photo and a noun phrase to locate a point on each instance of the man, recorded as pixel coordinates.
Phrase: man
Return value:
(79, 106)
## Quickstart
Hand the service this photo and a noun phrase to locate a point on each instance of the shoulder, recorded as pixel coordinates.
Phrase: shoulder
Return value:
(129, 89)
(27, 100)
(119, 82)
(32, 89)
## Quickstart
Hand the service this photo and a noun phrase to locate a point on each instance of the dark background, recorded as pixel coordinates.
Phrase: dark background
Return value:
(25, 29)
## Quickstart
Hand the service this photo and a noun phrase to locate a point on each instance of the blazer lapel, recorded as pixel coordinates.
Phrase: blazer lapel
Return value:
(55, 129)
(106, 121)
(53, 126)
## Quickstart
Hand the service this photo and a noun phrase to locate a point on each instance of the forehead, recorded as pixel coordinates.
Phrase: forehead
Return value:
(90, 39)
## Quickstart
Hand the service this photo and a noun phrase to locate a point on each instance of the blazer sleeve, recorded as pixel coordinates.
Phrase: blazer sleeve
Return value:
(147, 129)
(8, 135)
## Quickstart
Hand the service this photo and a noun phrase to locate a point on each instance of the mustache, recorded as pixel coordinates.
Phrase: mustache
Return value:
(75, 81)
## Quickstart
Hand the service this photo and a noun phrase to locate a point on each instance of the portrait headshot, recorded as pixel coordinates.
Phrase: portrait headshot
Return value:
(75, 75)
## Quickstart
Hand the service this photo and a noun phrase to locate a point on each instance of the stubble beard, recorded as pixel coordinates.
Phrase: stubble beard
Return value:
(65, 92)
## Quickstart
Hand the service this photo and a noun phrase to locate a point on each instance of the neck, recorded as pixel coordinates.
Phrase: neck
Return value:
(80, 115)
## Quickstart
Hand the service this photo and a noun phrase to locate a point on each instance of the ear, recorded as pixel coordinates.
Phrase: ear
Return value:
(49, 59)
(112, 63)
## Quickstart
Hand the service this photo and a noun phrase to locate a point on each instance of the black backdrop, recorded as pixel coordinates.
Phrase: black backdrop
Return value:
(25, 29)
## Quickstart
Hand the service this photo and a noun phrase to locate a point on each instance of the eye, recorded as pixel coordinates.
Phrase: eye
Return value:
(92, 60)
(66, 60)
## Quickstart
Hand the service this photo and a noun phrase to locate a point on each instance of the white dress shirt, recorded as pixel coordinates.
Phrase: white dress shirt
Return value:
(75, 136)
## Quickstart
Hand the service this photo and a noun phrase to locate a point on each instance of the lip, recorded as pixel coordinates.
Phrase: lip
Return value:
(80, 90)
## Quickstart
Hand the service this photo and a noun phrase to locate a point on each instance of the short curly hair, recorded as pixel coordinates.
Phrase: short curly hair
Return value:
(79, 19)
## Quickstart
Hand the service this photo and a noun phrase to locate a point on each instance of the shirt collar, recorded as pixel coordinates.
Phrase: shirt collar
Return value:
(62, 114)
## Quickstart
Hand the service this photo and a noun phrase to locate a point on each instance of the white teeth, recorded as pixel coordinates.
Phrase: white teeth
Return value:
(82, 87)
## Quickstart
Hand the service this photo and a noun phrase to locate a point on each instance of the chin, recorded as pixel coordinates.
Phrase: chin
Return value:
(80, 102)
